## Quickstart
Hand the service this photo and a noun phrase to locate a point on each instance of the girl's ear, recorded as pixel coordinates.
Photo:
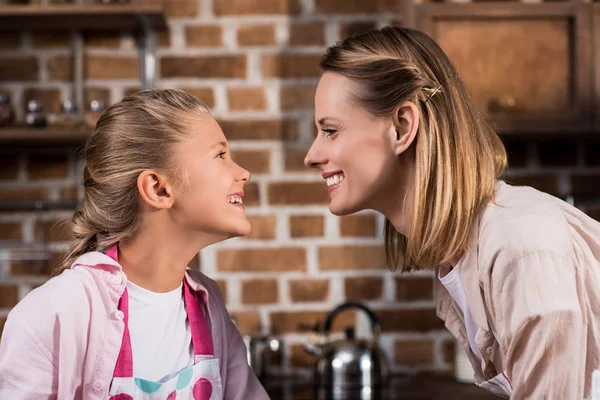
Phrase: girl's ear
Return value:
(406, 124)
(155, 189)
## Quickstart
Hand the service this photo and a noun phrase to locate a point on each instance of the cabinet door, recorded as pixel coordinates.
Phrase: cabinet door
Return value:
(596, 65)
(528, 67)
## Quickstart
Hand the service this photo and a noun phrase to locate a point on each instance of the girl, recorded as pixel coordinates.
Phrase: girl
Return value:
(126, 319)
(517, 271)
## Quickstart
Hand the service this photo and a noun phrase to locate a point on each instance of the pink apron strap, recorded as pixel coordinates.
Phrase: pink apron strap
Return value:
(124, 367)
(200, 335)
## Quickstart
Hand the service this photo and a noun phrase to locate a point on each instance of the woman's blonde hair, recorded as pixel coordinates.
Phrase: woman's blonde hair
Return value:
(458, 157)
(136, 134)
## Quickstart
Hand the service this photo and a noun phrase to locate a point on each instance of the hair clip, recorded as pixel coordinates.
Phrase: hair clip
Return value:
(437, 89)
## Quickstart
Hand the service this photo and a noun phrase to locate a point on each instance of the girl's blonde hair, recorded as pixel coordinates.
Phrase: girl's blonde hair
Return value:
(458, 157)
(136, 134)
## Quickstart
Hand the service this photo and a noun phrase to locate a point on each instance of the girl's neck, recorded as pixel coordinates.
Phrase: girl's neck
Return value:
(156, 258)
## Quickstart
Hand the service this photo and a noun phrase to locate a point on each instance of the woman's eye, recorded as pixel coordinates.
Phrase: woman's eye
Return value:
(329, 132)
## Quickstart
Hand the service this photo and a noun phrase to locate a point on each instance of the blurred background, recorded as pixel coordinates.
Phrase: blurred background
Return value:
(530, 67)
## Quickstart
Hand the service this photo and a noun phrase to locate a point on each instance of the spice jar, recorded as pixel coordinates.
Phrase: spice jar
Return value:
(69, 118)
(35, 117)
(7, 114)
(93, 115)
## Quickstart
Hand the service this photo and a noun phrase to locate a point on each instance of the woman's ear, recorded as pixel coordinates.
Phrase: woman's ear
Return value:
(406, 124)
(155, 189)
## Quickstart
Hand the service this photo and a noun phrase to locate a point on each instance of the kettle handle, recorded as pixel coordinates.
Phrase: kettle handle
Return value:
(375, 326)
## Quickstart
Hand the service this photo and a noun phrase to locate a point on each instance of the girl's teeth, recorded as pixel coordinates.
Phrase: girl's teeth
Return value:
(334, 180)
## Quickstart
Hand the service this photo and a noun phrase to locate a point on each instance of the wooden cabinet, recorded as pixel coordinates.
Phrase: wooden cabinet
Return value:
(528, 67)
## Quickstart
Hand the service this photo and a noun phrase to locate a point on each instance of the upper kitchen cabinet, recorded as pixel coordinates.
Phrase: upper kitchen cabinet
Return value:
(528, 67)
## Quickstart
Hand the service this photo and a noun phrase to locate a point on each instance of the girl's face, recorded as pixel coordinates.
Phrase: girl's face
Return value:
(354, 150)
(211, 201)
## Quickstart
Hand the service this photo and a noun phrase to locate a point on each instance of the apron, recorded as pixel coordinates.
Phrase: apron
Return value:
(499, 385)
(202, 381)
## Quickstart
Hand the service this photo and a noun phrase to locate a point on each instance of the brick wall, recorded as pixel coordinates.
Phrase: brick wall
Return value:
(256, 65)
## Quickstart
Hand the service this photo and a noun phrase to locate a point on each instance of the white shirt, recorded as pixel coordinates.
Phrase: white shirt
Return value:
(453, 285)
(161, 340)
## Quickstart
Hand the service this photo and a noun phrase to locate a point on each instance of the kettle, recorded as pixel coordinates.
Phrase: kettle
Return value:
(262, 350)
(350, 364)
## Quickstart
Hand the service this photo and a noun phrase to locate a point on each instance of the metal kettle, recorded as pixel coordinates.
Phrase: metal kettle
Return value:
(349, 364)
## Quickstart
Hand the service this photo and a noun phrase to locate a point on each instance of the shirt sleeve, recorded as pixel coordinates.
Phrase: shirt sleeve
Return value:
(26, 368)
(541, 328)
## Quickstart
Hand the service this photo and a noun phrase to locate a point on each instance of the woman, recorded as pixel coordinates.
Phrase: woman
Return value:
(517, 270)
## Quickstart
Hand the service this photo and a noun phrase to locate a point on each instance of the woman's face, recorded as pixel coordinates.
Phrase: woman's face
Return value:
(353, 149)
(212, 200)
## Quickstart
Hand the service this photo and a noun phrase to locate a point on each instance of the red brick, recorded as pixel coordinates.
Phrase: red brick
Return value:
(448, 350)
(47, 166)
(60, 68)
(409, 320)
(205, 94)
(49, 39)
(24, 268)
(545, 182)
(363, 288)
(222, 66)
(24, 194)
(18, 69)
(246, 98)
(294, 161)
(260, 291)
(254, 260)
(50, 99)
(195, 263)
(414, 352)
(245, 7)
(291, 321)
(256, 35)
(104, 67)
(181, 8)
(357, 6)
(247, 321)
(255, 161)
(9, 166)
(11, 231)
(223, 288)
(68, 193)
(355, 28)
(251, 194)
(297, 193)
(263, 227)
(297, 97)
(270, 129)
(302, 290)
(54, 231)
(358, 225)
(291, 65)
(204, 36)
(307, 226)
(352, 257)
(9, 296)
(307, 34)
(408, 289)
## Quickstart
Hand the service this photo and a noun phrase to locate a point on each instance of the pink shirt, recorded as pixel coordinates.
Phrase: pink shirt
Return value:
(62, 340)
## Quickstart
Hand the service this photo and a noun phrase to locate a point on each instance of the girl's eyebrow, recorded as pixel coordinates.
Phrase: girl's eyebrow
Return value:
(219, 144)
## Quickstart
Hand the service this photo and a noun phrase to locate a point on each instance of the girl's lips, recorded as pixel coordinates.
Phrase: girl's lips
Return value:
(331, 188)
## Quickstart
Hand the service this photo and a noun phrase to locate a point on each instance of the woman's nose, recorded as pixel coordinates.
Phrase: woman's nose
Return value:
(314, 158)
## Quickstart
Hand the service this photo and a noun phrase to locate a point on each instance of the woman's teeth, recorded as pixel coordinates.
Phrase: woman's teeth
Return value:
(335, 179)
(234, 199)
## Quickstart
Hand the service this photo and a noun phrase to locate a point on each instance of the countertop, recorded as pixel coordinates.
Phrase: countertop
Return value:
(424, 386)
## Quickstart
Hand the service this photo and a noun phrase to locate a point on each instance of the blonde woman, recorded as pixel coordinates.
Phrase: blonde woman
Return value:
(126, 319)
(517, 271)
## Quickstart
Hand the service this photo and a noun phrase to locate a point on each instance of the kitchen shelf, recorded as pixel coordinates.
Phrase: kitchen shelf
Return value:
(43, 136)
(37, 205)
(85, 17)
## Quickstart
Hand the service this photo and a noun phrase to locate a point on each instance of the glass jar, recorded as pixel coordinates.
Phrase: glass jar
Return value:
(35, 117)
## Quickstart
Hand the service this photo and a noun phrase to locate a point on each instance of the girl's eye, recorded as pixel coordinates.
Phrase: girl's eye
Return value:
(329, 132)
(222, 154)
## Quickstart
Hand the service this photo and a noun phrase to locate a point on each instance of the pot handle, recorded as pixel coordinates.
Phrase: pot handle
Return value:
(375, 326)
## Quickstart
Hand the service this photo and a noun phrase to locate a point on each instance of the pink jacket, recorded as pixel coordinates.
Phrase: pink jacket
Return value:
(62, 340)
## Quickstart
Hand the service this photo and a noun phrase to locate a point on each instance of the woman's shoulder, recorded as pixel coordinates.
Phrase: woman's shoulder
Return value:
(522, 220)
